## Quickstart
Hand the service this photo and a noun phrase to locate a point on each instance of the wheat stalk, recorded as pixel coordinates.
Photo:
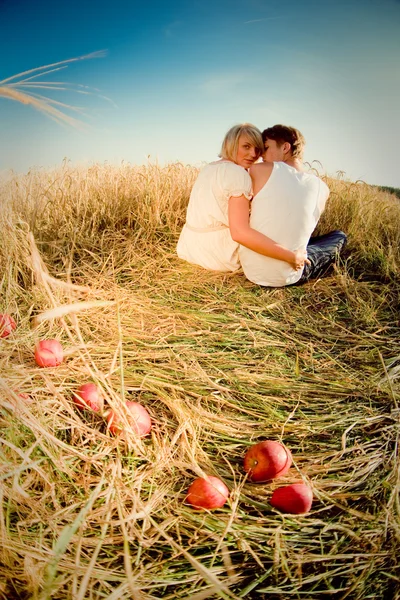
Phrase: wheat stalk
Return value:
(13, 89)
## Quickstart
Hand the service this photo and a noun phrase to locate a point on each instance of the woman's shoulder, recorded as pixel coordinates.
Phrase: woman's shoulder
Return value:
(225, 170)
(227, 165)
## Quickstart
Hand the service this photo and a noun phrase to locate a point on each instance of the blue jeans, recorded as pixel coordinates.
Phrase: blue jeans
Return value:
(322, 252)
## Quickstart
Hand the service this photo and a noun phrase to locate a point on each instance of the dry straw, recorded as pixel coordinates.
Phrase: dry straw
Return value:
(23, 88)
(220, 364)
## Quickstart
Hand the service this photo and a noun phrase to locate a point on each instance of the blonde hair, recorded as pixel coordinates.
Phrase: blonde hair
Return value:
(230, 144)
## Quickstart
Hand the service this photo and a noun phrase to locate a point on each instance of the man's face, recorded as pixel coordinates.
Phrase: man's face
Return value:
(272, 152)
(247, 153)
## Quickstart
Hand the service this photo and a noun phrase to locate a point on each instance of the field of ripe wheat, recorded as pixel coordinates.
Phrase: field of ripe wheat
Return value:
(87, 257)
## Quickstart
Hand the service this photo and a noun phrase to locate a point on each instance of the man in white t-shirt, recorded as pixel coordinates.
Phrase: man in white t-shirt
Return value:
(286, 207)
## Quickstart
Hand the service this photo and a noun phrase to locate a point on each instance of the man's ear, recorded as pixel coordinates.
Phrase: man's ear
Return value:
(287, 148)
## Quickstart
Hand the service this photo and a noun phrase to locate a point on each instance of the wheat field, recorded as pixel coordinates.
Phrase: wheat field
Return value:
(87, 256)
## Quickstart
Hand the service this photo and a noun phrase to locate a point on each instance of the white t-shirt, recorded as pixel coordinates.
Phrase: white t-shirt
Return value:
(205, 239)
(286, 210)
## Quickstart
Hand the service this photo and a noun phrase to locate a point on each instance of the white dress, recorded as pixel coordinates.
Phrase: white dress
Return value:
(286, 210)
(205, 239)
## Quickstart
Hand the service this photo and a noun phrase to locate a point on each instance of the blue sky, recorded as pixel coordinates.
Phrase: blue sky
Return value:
(181, 73)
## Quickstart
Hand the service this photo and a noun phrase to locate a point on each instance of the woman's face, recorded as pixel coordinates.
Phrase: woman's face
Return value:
(247, 153)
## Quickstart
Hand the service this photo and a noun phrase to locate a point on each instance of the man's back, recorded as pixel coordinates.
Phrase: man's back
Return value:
(286, 209)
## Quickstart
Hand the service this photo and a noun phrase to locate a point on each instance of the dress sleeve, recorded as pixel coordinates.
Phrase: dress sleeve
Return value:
(237, 181)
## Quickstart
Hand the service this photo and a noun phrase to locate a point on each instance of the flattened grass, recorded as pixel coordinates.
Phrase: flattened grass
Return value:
(220, 364)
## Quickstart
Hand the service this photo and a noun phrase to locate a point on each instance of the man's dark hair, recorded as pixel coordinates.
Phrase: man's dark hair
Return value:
(284, 133)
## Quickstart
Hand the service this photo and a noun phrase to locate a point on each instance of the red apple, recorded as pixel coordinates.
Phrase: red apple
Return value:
(138, 418)
(48, 353)
(7, 325)
(295, 499)
(88, 396)
(267, 460)
(23, 395)
(208, 492)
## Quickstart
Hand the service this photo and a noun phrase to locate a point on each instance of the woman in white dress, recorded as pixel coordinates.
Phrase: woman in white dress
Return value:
(217, 218)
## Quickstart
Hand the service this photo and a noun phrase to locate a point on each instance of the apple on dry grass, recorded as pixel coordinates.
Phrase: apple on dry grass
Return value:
(138, 418)
(48, 353)
(208, 493)
(267, 460)
(7, 325)
(88, 396)
(23, 395)
(26, 399)
(293, 499)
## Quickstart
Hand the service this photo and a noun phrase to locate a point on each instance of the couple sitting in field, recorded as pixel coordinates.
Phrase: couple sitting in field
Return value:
(271, 242)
